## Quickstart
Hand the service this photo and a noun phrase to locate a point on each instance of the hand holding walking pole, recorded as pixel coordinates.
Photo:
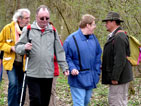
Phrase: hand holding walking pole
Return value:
(28, 47)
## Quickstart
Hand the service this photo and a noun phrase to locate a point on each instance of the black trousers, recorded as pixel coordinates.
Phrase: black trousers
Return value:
(39, 91)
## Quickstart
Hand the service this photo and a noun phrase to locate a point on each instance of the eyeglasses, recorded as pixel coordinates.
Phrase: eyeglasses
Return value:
(26, 18)
(44, 18)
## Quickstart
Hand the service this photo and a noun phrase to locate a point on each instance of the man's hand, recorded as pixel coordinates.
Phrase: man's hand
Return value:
(66, 72)
(74, 72)
(114, 82)
(28, 46)
(13, 48)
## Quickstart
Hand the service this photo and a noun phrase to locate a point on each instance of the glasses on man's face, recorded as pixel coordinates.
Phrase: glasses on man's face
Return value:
(44, 18)
(26, 18)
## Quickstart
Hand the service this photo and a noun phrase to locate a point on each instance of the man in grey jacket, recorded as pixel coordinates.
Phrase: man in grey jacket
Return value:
(45, 43)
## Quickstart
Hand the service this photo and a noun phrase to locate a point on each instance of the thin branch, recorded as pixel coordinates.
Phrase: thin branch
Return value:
(137, 21)
(62, 18)
(111, 7)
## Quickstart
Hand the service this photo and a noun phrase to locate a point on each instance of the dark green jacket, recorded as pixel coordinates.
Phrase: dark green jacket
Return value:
(115, 65)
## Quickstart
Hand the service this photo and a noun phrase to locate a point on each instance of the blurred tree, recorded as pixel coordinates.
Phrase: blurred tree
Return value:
(66, 14)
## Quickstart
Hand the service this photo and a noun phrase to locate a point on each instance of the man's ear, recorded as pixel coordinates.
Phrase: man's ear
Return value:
(87, 25)
(19, 19)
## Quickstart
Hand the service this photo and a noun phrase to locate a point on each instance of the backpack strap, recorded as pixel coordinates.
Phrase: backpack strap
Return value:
(121, 31)
(54, 30)
(78, 52)
(29, 40)
(79, 58)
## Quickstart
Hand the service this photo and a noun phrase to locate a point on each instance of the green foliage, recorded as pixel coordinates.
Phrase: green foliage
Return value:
(2, 95)
(100, 94)
(63, 90)
(66, 14)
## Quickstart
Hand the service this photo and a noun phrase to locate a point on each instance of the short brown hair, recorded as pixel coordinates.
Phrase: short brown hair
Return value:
(86, 19)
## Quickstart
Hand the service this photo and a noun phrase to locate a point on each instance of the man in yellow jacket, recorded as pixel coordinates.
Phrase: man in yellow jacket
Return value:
(12, 62)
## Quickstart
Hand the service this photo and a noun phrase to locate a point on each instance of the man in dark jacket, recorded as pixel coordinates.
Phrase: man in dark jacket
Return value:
(116, 69)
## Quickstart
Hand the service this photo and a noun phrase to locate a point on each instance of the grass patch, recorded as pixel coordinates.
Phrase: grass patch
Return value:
(2, 95)
(100, 94)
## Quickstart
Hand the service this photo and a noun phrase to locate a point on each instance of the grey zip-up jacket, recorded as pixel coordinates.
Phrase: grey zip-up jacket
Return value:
(41, 58)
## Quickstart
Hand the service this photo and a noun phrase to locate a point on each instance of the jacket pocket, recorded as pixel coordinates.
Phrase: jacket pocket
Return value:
(85, 79)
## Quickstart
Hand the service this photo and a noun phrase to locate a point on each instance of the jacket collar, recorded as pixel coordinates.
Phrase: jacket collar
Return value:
(82, 36)
(119, 28)
(113, 35)
(35, 26)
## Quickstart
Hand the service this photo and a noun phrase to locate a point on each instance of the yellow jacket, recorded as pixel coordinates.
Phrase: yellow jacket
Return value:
(7, 40)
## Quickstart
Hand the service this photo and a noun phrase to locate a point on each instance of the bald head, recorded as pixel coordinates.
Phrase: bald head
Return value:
(42, 16)
(42, 7)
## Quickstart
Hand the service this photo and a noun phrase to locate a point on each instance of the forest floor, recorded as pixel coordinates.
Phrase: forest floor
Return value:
(63, 95)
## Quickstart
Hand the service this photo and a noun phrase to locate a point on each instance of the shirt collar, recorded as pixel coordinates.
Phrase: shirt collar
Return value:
(38, 26)
(111, 34)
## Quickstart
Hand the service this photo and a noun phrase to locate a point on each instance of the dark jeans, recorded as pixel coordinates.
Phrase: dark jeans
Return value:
(1, 71)
(39, 91)
(15, 77)
(12, 88)
(20, 76)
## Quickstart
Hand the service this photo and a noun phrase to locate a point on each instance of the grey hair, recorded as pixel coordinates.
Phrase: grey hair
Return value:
(19, 13)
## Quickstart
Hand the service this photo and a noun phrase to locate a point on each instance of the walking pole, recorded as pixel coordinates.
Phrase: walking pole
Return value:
(23, 86)
(27, 58)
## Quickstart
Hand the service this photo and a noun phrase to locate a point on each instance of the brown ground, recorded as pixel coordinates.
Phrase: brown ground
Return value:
(5, 78)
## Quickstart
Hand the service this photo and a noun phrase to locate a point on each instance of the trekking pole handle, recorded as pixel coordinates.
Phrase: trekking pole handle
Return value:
(28, 51)
(29, 40)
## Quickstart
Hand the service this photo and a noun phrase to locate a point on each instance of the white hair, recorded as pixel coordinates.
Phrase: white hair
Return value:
(19, 13)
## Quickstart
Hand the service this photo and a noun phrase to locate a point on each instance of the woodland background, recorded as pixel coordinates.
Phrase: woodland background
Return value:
(65, 15)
